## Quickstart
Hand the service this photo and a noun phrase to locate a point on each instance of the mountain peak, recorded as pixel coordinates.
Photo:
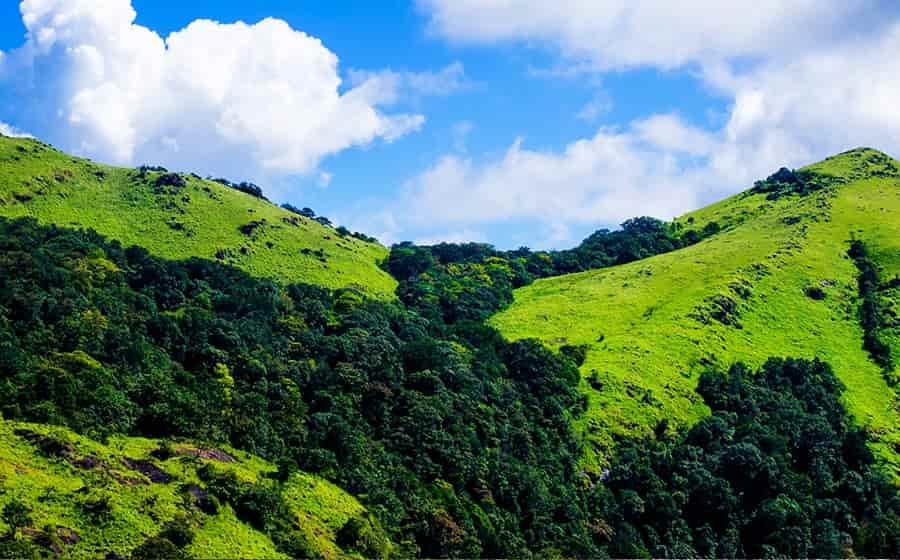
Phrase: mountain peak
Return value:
(858, 163)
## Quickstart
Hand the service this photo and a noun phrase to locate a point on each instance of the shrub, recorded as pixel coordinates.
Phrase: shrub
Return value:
(170, 180)
(16, 515)
(363, 535)
(815, 293)
(157, 548)
(578, 354)
(178, 531)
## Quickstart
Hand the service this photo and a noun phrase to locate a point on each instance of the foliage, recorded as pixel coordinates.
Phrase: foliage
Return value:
(871, 313)
(775, 471)
(787, 182)
(56, 487)
(244, 186)
(157, 548)
(449, 282)
(110, 340)
(179, 531)
(16, 515)
(362, 534)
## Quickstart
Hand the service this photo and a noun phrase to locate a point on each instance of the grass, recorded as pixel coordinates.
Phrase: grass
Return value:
(653, 326)
(201, 219)
(57, 491)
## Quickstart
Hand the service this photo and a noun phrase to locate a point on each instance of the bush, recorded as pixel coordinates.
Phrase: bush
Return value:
(97, 506)
(363, 535)
(178, 531)
(578, 354)
(170, 180)
(157, 548)
(16, 515)
(815, 293)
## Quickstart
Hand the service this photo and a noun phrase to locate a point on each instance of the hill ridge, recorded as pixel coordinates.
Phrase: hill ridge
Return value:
(181, 215)
(743, 294)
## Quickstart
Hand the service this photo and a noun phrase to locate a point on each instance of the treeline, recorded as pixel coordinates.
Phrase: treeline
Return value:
(451, 282)
(310, 214)
(872, 313)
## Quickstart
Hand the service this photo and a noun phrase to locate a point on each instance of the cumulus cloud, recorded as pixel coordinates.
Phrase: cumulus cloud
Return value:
(225, 97)
(805, 79)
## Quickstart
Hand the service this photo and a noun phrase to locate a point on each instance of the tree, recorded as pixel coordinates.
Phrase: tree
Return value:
(16, 515)
(157, 548)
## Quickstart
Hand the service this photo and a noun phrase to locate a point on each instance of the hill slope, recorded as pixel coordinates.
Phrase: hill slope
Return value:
(777, 281)
(201, 218)
(101, 499)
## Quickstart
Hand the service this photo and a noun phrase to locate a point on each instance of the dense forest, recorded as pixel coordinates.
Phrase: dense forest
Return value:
(460, 446)
(459, 442)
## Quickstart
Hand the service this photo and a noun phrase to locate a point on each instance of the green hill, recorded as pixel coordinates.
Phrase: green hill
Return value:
(197, 218)
(88, 500)
(776, 281)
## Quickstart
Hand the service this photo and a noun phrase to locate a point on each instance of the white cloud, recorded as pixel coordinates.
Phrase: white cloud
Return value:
(11, 131)
(603, 179)
(447, 81)
(625, 33)
(805, 79)
(224, 97)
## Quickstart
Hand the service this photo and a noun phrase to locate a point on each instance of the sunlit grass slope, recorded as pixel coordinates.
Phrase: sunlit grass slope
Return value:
(202, 219)
(62, 489)
(654, 325)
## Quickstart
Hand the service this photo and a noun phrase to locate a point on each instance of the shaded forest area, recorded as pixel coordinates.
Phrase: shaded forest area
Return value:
(458, 441)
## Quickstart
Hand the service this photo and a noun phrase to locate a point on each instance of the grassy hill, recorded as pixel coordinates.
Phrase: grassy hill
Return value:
(776, 281)
(201, 218)
(92, 499)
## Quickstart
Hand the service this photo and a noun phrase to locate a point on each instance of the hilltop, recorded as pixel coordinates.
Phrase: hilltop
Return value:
(178, 216)
(776, 280)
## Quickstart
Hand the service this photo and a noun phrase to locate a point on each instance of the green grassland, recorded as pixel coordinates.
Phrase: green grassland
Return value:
(201, 219)
(654, 325)
(59, 489)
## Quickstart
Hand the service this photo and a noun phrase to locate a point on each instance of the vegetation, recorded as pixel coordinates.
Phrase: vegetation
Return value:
(88, 500)
(456, 441)
(460, 445)
(773, 472)
(655, 325)
(872, 316)
(449, 283)
(178, 216)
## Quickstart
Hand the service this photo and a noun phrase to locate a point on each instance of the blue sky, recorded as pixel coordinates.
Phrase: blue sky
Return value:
(498, 121)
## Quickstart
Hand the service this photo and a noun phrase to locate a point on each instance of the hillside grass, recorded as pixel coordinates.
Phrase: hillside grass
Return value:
(653, 326)
(57, 490)
(201, 219)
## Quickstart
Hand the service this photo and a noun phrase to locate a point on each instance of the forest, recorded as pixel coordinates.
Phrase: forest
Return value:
(459, 442)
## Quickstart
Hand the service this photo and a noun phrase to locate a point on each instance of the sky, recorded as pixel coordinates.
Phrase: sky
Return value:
(513, 122)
